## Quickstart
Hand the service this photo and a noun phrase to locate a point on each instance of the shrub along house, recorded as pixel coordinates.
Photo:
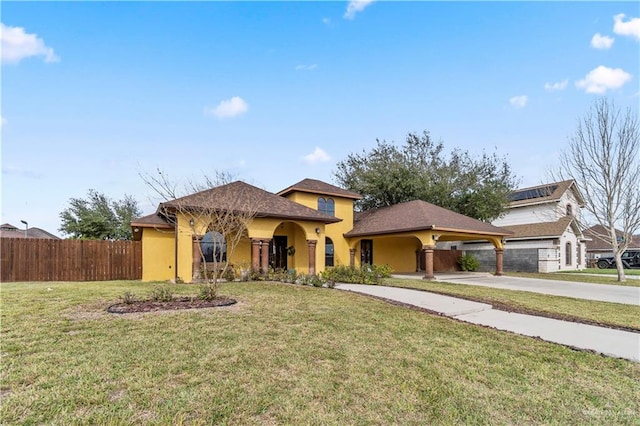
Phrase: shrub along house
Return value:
(308, 227)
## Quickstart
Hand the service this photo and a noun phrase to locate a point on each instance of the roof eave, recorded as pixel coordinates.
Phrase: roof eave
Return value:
(427, 228)
(293, 189)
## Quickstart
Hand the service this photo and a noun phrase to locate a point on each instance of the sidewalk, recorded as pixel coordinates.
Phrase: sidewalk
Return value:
(610, 342)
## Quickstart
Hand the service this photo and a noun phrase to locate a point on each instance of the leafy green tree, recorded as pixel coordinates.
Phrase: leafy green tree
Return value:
(478, 187)
(97, 217)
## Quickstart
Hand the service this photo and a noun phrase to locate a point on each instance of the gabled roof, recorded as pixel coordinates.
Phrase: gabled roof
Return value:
(598, 244)
(242, 197)
(318, 187)
(154, 220)
(9, 231)
(418, 215)
(540, 194)
(540, 230)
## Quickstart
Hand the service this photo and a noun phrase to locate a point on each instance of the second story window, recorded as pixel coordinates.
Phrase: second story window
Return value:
(327, 206)
(569, 210)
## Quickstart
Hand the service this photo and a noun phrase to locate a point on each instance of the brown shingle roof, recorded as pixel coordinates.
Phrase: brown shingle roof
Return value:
(154, 220)
(598, 244)
(318, 187)
(553, 192)
(240, 196)
(539, 230)
(418, 215)
(9, 231)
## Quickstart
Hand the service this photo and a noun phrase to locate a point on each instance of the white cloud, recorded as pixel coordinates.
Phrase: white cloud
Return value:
(306, 67)
(519, 101)
(552, 87)
(629, 28)
(18, 45)
(3, 121)
(598, 41)
(601, 79)
(355, 7)
(317, 156)
(326, 21)
(229, 108)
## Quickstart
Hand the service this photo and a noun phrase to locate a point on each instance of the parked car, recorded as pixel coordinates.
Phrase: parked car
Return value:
(630, 259)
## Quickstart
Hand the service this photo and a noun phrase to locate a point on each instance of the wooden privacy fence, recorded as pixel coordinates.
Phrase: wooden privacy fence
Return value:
(69, 260)
(446, 260)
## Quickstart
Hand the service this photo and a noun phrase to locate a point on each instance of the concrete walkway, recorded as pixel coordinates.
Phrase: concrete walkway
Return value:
(610, 342)
(601, 292)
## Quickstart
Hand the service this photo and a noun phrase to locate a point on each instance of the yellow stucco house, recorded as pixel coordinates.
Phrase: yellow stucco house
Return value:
(309, 226)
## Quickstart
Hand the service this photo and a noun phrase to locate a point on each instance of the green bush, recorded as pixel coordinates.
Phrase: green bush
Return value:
(208, 292)
(468, 262)
(229, 274)
(366, 274)
(162, 293)
(128, 298)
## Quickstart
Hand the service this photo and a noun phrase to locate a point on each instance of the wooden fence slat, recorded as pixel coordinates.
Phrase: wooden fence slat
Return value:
(69, 260)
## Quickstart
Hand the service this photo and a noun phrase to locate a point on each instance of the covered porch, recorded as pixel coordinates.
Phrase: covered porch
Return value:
(405, 236)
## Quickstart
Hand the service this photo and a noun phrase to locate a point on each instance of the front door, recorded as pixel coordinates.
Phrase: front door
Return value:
(278, 252)
(366, 252)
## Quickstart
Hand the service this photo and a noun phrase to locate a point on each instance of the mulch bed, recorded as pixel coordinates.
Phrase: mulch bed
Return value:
(176, 303)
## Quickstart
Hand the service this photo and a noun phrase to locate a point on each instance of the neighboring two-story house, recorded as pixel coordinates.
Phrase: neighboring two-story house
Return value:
(546, 237)
(309, 226)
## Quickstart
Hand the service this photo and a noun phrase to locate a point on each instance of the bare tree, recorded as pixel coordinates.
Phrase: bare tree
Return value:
(603, 158)
(217, 207)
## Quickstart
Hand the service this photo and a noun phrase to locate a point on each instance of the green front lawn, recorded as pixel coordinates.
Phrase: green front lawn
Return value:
(605, 276)
(287, 354)
(613, 314)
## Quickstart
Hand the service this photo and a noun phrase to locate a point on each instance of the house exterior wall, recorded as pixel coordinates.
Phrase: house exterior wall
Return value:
(528, 214)
(550, 211)
(398, 252)
(158, 260)
(335, 231)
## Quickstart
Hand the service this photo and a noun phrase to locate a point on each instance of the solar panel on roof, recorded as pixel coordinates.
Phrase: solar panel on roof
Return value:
(530, 194)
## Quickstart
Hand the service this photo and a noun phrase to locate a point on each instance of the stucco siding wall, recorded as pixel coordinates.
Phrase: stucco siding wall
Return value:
(157, 255)
(397, 252)
(335, 231)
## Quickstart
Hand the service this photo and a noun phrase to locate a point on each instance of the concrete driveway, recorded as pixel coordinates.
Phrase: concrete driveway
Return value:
(604, 293)
(610, 342)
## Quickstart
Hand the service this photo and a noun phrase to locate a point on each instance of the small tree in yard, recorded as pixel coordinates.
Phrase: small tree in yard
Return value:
(215, 205)
(603, 158)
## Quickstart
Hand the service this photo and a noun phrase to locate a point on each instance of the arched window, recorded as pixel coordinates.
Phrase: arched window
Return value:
(327, 206)
(322, 204)
(567, 254)
(328, 252)
(214, 247)
(569, 210)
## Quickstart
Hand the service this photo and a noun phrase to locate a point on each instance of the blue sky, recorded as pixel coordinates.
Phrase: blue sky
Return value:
(273, 92)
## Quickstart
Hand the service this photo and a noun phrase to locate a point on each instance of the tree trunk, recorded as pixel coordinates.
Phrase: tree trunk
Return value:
(620, 267)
